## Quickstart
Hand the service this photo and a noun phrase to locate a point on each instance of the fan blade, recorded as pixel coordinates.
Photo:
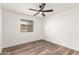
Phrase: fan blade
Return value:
(33, 9)
(51, 10)
(36, 14)
(43, 14)
(42, 6)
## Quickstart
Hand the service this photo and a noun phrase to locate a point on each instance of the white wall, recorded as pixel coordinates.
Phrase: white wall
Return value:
(11, 29)
(0, 28)
(63, 28)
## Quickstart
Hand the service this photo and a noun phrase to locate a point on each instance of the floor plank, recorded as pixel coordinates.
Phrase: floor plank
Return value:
(40, 47)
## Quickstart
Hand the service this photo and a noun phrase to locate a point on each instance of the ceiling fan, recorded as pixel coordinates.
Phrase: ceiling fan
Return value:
(41, 10)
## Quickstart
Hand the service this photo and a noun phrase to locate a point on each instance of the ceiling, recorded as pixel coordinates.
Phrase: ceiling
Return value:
(23, 7)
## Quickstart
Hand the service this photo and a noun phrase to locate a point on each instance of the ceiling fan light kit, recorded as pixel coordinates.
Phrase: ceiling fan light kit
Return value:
(41, 10)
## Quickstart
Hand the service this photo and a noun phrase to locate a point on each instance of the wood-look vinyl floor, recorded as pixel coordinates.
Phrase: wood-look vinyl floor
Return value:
(40, 47)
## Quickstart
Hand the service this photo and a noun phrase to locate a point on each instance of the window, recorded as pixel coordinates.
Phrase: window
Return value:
(26, 26)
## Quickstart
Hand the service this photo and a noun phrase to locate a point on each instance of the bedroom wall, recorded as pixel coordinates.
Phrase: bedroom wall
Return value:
(0, 28)
(11, 29)
(63, 28)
